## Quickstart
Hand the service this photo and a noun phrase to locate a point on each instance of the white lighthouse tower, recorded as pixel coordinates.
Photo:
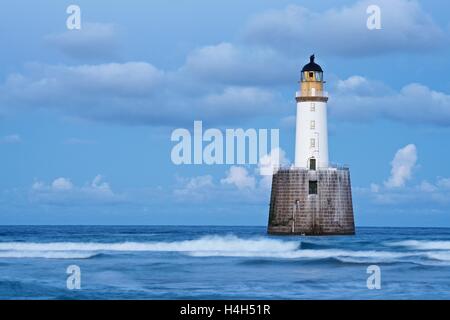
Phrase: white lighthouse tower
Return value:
(311, 139)
(311, 197)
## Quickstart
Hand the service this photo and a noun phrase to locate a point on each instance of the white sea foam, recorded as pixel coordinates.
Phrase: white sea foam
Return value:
(222, 246)
(226, 246)
(439, 255)
(421, 244)
(209, 243)
(380, 256)
(47, 254)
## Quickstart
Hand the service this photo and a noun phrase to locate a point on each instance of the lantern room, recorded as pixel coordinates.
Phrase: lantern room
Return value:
(311, 82)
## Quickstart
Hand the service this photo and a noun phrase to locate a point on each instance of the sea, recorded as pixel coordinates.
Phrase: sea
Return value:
(218, 262)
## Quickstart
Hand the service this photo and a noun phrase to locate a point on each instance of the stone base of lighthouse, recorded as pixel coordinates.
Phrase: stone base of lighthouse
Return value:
(311, 202)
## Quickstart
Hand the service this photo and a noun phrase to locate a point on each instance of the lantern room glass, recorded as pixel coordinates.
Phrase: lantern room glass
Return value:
(319, 76)
(312, 76)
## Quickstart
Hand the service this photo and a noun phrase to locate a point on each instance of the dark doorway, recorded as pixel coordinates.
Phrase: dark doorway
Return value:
(313, 187)
(312, 164)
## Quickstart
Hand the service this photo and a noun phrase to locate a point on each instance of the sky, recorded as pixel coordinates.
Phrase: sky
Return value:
(86, 116)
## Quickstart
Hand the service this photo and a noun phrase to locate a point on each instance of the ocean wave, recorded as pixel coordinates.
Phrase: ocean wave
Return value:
(209, 243)
(364, 256)
(439, 255)
(421, 244)
(230, 246)
(47, 254)
(431, 258)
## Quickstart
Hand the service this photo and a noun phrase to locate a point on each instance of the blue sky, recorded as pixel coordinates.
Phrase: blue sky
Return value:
(86, 116)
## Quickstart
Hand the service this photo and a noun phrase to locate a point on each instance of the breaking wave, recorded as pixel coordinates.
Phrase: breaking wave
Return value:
(441, 256)
(421, 244)
(343, 255)
(47, 254)
(209, 243)
(232, 246)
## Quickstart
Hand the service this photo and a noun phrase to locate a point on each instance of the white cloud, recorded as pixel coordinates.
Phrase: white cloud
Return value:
(138, 93)
(63, 192)
(99, 184)
(237, 186)
(62, 184)
(402, 166)
(194, 189)
(443, 183)
(124, 78)
(10, 139)
(405, 27)
(234, 82)
(237, 101)
(132, 93)
(360, 99)
(239, 95)
(375, 188)
(239, 177)
(426, 186)
(199, 182)
(49, 82)
(239, 65)
(92, 41)
(38, 185)
(358, 85)
(269, 164)
(426, 196)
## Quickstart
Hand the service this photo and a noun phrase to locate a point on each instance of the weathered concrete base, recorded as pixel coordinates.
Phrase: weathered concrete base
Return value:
(293, 210)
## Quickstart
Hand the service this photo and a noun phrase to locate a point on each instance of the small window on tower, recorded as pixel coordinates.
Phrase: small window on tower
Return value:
(311, 75)
(312, 125)
(313, 107)
(312, 164)
(312, 143)
(313, 187)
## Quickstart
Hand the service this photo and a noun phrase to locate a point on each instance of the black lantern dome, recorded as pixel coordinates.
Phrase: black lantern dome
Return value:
(312, 66)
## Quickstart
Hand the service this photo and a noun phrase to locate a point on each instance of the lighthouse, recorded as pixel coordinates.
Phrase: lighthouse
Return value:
(311, 138)
(312, 197)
